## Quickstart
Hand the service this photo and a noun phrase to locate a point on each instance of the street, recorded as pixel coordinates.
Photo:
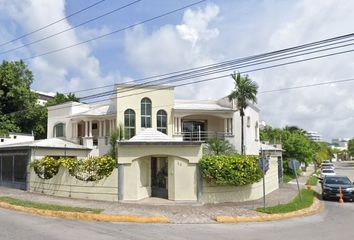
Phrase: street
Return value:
(334, 223)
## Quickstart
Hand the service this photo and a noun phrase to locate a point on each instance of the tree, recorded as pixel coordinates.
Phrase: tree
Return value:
(351, 147)
(219, 147)
(245, 91)
(18, 104)
(60, 98)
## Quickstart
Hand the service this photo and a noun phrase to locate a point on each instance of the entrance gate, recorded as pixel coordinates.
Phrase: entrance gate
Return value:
(13, 169)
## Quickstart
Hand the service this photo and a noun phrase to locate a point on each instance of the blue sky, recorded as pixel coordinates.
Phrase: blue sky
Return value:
(211, 32)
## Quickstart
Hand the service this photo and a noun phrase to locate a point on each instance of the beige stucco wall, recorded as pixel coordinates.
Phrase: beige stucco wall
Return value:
(39, 153)
(65, 185)
(216, 194)
(130, 97)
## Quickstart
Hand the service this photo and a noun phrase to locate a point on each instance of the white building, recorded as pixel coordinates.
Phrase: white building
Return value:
(43, 97)
(16, 138)
(341, 143)
(314, 136)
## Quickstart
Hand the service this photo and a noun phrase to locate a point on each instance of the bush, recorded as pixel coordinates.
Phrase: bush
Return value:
(46, 168)
(230, 169)
(91, 169)
(219, 147)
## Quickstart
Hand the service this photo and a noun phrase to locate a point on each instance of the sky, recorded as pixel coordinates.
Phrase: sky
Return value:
(207, 33)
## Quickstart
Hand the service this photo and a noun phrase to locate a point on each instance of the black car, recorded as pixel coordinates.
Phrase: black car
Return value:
(331, 185)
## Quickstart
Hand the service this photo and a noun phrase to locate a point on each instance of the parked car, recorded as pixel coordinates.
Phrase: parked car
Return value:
(327, 165)
(326, 161)
(331, 185)
(327, 172)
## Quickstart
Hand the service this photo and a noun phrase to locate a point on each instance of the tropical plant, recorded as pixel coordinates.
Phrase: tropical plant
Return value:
(62, 98)
(46, 168)
(116, 134)
(233, 169)
(245, 91)
(219, 147)
(351, 147)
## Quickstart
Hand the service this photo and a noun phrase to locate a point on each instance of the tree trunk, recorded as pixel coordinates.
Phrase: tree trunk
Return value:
(242, 114)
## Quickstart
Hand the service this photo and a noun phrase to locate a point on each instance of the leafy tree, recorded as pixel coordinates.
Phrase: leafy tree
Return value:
(18, 104)
(219, 147)
(245, 91)
(116, 134)
(62, 98)
(351, 147)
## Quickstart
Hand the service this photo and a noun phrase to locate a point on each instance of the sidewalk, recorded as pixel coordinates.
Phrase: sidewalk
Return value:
(177, 212)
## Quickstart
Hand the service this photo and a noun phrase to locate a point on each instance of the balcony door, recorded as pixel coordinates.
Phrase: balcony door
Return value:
(195, 130)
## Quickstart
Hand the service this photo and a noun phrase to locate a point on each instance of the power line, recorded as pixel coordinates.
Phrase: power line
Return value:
(71, 28)
(116, 31)
(53, 23)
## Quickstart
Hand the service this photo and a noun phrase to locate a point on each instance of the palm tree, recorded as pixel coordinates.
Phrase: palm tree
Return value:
(245, 91)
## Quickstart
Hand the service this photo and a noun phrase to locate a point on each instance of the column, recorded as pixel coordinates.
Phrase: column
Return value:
(225, 126)
(175, 125)
(179, 125)
(90, 128)
(231, 127)
(104, 128)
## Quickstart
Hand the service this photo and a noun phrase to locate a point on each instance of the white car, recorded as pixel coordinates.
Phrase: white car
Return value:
(327, 172)
(327, 166)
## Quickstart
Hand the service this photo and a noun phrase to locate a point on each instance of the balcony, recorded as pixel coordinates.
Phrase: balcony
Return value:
(204, 136)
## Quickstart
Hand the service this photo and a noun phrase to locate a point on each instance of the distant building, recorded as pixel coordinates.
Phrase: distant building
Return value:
(16, 138)
(314, 136)
(341, 143)
(43, 97)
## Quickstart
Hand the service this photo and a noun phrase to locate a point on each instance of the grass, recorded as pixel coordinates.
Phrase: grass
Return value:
(294, 205)
(287, 178)
(312, 181)
(45, 206)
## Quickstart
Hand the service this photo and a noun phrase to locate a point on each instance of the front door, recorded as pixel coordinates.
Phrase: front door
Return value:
(159, 177)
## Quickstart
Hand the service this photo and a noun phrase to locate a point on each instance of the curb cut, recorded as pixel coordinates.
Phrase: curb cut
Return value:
(315, 208)
(87, 216)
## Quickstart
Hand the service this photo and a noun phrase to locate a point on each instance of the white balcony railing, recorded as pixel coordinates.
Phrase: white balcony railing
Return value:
(204, 135)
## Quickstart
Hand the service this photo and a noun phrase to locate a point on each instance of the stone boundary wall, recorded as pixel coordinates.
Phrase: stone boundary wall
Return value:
(65, 185)
(212, 193)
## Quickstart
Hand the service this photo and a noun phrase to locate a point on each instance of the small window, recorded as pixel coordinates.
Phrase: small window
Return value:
(2, 140)
(59, 130)
(94, 126)
(161, 118)
(256, 131)
(129, 123)
(15, 137)
(146, 113)
(248, 121)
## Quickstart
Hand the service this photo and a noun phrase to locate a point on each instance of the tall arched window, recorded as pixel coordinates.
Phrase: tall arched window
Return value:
(161, 117)
(129, 123)
(59, 130)
(256, 131)
(145, 113)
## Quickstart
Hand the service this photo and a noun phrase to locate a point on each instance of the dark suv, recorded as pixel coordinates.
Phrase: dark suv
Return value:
(331, 185)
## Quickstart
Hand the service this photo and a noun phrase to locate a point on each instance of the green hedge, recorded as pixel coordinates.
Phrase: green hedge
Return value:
(235, 169)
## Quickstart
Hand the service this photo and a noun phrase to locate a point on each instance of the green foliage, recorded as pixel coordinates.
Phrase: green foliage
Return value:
(91, 169)
(45, 206)
(294, 205)
(18, 104)
(351, 147)
(60, 98)
(322, 152)
(312, 181)
(116, 134)
(287, 178)
(46, 168)
(245, 91)
(234, 169)
(219, 147)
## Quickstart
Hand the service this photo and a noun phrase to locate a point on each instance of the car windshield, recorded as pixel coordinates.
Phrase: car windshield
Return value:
(327, 164)
(328, 171)
(338, 180)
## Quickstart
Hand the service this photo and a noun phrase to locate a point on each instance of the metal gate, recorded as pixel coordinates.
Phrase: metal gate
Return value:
(13, 169)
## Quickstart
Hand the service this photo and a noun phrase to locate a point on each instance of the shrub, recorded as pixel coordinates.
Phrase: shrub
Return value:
(234, 169)
(219, 147)
(46, 168)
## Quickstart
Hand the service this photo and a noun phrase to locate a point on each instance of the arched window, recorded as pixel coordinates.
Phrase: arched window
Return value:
(145, 113)
(129, 123)
(59, 130)
(161, 117)
(256, 131)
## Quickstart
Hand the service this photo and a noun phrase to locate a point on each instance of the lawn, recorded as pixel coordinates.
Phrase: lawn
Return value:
(45, 206)
(294, 205)
(312, 181)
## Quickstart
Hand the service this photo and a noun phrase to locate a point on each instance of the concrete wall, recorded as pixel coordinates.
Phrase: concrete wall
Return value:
(212, 193)
(16, 138)
(65, 185)
(161, 99)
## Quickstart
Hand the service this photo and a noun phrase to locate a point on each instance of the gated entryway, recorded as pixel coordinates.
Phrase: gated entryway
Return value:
(13, 169)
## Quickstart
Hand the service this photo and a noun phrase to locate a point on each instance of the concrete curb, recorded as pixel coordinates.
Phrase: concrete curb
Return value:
(86, 216)
(315, 208)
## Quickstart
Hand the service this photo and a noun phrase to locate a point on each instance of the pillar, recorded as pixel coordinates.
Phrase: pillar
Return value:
(90, 128)
(104, 128)
(85, 128)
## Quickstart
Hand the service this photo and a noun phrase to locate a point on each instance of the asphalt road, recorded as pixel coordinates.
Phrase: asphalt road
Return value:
(336, 222)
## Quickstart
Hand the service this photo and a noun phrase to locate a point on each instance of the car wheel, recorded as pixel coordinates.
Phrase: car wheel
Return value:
(324, 198)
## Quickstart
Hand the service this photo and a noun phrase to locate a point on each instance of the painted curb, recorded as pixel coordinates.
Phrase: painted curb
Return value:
(315, 208)
(87, 216)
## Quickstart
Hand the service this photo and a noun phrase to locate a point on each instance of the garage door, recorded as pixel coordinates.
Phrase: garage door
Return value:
(13, 169)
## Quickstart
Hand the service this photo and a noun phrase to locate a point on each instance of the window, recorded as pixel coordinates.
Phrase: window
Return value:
(94, 126)
(248, 121)
(129, 123)
(161, 117)
(59, 130)
(256, 132)
(145, 113)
